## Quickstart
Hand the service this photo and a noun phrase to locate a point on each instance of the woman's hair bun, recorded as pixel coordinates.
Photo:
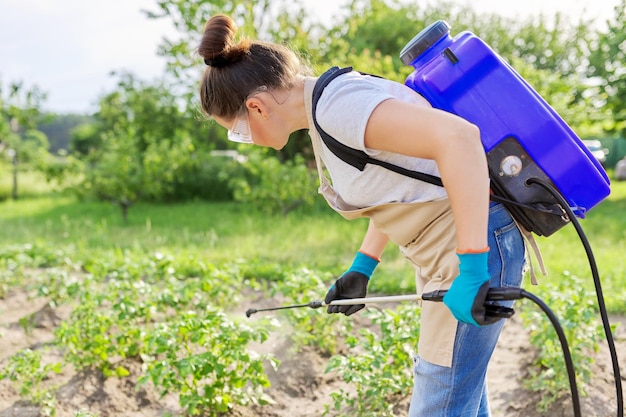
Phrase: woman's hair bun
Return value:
(217, 46)
(217, 61)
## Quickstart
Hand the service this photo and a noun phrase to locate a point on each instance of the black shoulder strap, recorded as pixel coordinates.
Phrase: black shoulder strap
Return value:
(355, 157)
(359, 159)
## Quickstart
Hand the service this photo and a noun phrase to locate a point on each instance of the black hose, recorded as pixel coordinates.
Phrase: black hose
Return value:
(569, 363)
(598, 286)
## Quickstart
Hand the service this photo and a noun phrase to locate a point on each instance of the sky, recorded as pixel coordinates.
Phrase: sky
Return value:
(68, 48)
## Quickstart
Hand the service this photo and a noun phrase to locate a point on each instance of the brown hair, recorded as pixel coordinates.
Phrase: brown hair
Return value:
(235, 70)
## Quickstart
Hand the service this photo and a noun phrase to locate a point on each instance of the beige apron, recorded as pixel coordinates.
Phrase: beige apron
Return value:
(426, 236)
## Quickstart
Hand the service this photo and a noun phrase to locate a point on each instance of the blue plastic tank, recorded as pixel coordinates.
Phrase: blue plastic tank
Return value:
(522, 134)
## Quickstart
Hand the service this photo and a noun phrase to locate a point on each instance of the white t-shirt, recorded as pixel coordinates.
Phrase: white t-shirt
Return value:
(343, 111)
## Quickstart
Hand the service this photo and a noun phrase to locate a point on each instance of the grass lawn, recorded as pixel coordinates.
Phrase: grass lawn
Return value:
(318, 239)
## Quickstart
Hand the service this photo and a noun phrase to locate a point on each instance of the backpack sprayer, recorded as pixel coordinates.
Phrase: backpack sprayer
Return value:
(524, 138)
(539, 168)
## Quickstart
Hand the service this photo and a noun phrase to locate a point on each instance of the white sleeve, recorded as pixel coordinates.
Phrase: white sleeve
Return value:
(346, 106)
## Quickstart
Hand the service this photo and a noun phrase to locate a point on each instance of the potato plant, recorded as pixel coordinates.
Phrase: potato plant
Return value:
(310, 327)
(378, 364)
(171, 313)
(170, 316)
(577, 312)
(29, 374)
(204, 359)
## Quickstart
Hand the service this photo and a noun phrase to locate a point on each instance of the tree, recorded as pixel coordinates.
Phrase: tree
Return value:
(189, 17)
(547, 52)
(281, 21)
(151, 110)
(370, 36)
(608, 70)
(129, 121)
(386, 26)
(118, 175)
(19, 114)
(143, 145)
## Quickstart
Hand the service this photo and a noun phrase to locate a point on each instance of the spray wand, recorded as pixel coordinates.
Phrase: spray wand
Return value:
(495, 294)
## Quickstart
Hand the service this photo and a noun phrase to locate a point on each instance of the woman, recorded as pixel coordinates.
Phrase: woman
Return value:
(453, 236)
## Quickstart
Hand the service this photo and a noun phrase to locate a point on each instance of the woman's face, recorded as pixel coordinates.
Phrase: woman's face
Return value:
(259, 126)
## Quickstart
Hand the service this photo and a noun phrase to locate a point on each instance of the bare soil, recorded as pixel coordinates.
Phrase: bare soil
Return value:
(299, 386)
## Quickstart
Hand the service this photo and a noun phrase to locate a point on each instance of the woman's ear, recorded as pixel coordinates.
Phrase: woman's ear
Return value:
(258, 105)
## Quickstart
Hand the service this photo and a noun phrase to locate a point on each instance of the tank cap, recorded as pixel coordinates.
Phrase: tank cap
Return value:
(424, 40)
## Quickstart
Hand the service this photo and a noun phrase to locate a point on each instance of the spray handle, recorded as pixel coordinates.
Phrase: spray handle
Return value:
(434, 295)
(494, 294)
(505, 293)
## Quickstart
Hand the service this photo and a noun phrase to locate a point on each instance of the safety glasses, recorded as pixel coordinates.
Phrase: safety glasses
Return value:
(240, 132)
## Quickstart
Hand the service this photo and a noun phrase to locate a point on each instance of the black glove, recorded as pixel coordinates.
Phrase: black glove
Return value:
(350, 285)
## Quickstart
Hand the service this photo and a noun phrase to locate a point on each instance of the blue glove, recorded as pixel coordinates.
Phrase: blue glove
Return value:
(352, 284)
(467, 296)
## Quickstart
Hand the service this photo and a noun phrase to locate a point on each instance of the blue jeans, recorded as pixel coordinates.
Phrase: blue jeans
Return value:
(461, 390)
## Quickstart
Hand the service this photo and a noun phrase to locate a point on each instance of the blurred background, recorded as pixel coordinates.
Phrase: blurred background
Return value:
(101, 101)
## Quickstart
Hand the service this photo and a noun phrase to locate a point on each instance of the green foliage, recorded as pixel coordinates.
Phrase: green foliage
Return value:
(379, 364)
(203, 358)
(141, 148)
(167, 154)
(374, 30)
(166, 157)
(84, 413)
(301, 287)
(133, 121)
(274, 186)
(19, 139)
(163, 313)
(167, 312)
(256, 18)
(85, 139)
(28, 373)
(123, 294)
(32, 255)
(577, 312)
(118, 176)
(10, 275)
(64, 172)
(150, 110)
(32, 181)
(187, 172)
(386, 26)
(608, 69)
(57, 284)
(19, 108)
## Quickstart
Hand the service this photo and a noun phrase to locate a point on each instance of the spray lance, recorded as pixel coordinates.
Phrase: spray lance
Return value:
(495, 294)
